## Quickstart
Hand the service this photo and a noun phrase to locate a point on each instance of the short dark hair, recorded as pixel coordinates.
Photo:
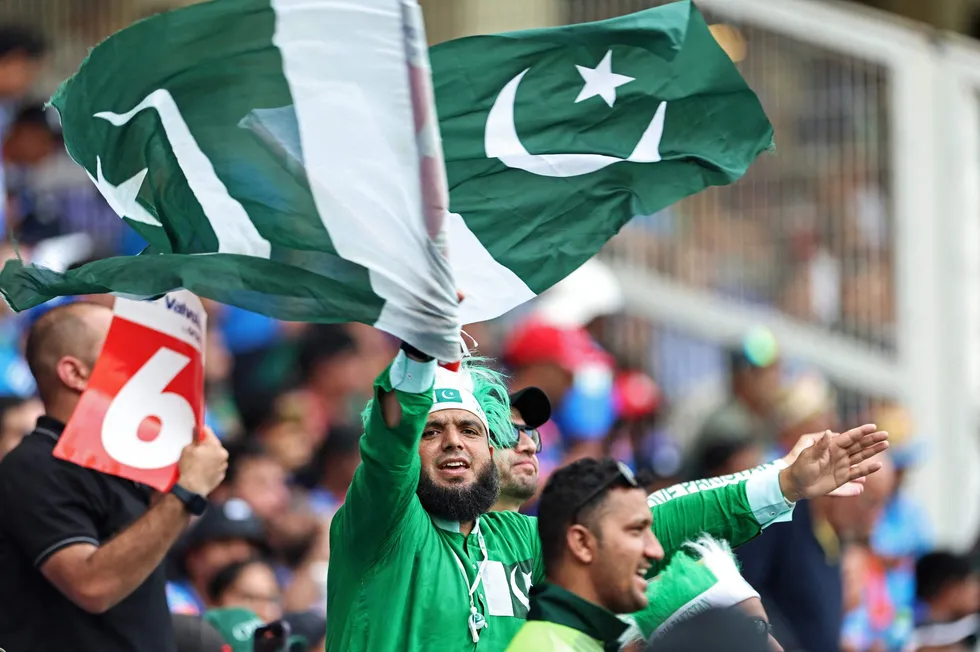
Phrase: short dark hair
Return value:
(227, 576)
(240, 453)
(561, 502)
(935, 571)
(20, 38)
(323, 342)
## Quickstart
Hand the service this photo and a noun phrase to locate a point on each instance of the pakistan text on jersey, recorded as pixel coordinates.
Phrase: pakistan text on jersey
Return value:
(685, 488)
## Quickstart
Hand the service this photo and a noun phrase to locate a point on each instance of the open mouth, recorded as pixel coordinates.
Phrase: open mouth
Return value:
(641, 579)
(453, 467)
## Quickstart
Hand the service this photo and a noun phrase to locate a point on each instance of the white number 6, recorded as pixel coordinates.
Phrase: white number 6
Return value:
(143, 397)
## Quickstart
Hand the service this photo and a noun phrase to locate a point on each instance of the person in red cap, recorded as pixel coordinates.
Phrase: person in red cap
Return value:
(577, 376)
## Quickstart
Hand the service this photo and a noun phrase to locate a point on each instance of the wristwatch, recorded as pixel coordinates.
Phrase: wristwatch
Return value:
(415, 353)
(194, 503)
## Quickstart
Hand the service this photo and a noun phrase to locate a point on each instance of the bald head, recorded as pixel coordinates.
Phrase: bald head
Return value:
(62, 348)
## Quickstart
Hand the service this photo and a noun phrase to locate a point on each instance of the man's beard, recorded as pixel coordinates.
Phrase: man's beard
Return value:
(460, 504)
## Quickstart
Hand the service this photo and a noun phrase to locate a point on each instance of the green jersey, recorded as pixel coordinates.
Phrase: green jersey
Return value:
(402, 581)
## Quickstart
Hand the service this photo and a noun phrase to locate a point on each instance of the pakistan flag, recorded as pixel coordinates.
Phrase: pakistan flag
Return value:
(556, 138)
(282, 156)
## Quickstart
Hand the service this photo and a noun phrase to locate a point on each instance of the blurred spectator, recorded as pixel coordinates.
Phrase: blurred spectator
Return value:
(250, 584)
(577, 376)
(755, 384)
(257, 478)
(947, 587)
(903, 530)
(194, 634)
(796, 567)
(17, 419)
(754, 379)
(806, 406)
(636, 401)
(334, 466)
(279, 424)
(868, 303)
(885, 616)
(948, 590)
(331, 375)
(730, 449)
(310, 627)
(236, 625)
(21, 50)
(228, 532)
(221, 412)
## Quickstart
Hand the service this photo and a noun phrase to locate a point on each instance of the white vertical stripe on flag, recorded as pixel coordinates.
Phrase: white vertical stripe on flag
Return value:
(347, 70)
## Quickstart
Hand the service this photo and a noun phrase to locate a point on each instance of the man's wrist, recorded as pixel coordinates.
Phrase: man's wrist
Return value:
(787, 484)
(193, 501)
(415, 354)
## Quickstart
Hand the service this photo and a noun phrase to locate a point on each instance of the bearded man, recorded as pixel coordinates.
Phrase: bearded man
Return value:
(418, 563)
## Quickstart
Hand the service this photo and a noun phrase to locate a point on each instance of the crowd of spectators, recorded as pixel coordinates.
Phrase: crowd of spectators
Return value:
(286, 398)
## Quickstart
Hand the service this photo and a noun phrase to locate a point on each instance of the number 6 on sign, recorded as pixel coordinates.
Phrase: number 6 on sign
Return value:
(142, 398)
(146, 394)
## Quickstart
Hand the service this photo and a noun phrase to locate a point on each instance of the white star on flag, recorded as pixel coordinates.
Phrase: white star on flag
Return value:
(122, 198)
(601, 81)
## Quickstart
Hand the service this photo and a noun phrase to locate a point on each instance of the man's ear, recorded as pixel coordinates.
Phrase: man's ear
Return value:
(73, 373)
(581, 543)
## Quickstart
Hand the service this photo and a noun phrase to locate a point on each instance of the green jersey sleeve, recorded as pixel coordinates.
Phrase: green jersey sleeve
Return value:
(734, 508)
(381, 498)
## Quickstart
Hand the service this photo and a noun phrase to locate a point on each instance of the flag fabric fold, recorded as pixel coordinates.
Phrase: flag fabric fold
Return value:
(346, 226)
(555, 138)
(316, 190)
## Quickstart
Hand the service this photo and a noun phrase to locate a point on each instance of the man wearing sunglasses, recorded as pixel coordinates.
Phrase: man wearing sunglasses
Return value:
(518, 466)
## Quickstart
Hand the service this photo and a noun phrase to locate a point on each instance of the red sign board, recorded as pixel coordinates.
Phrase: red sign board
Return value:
(146, 394)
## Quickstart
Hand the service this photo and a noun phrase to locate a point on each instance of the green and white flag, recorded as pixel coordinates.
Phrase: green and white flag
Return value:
(166, 117)
(553, 140)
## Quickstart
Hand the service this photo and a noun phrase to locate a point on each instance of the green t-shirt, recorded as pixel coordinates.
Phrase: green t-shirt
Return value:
(396, 582)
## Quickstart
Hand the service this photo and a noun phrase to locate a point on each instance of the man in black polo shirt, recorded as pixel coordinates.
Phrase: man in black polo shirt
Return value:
(80, 551)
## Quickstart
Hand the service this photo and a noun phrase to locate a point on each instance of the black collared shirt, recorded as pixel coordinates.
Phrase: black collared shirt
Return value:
(553, 604)
(47, 504)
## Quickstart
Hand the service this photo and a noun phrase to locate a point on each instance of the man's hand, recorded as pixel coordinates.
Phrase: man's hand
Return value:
(854, 488)
(832, 461)
(203, 464)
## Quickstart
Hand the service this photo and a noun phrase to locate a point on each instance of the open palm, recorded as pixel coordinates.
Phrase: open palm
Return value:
(835, 460)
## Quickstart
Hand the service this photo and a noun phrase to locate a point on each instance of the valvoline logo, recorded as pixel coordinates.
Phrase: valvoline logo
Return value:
(181, 308)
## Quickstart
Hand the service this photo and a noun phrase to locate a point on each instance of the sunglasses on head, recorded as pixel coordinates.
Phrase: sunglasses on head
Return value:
(530, 432)
(623, 475)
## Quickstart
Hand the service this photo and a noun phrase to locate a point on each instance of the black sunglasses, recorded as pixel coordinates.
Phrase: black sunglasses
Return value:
(530, 432)
(623, 474)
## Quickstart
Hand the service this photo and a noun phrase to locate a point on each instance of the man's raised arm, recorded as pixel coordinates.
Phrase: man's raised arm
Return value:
(382, 495)
(738, 507)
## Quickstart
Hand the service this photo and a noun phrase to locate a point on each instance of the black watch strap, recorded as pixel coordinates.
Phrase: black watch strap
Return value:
(194, 503)
(415, 353)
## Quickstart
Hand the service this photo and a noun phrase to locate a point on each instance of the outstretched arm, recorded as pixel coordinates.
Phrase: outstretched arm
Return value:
(737, 507)
(381, 498)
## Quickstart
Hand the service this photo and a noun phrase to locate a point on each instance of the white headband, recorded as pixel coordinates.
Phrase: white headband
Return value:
(454, 391)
